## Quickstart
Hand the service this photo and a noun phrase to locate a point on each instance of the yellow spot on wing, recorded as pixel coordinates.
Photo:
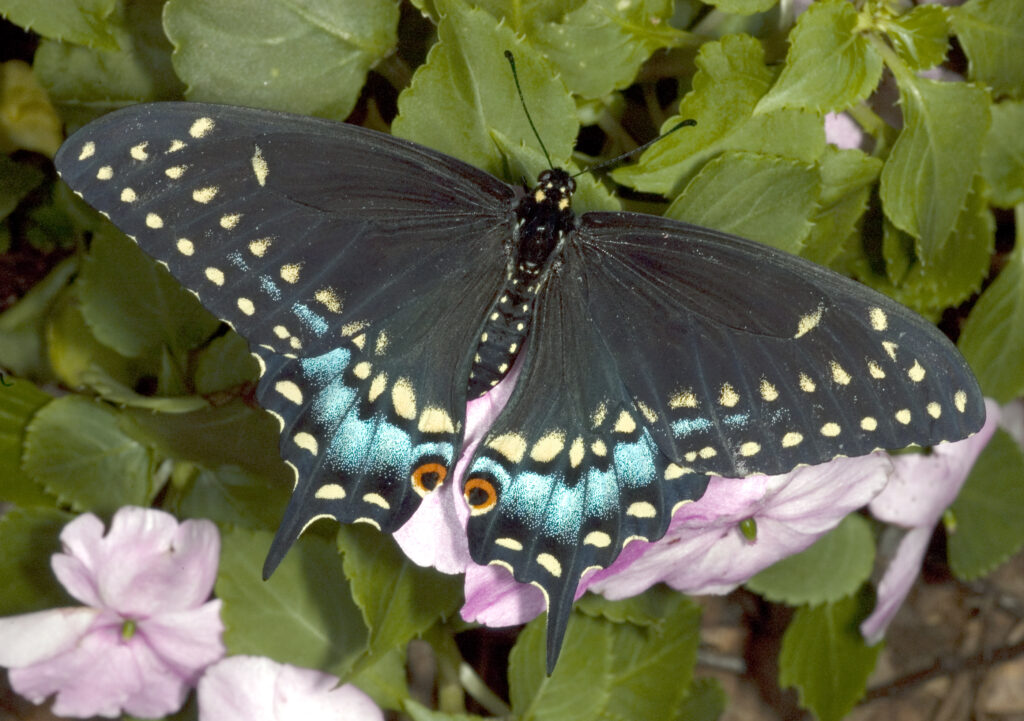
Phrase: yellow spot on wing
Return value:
(290, 272)
(549, 563)
(246, 306)
(329, 299)
(128, 196)
(404, 399)
(598, 416)
(830, 430)
(259, 247)
(362, 370)
(875, 370)
(204, 195)
(435, 420)
(625, 423)
(88, 150)
(890, 348)
(809, 322)
(916, 372)
(576, 452)
(215, 276)
(230, 221)
(377, 386)
(641, 509)
(728, 396)
(175, 172)
(330, 492)
(806, 384)
(934, 409)
(290, 391)
(839, 374)
(868, 423)
(600, 539)
(154, 221)
(750, 448)
(175, 146)
(548, 447)
(903, 416)
(307, 442)
(673, 471)
(598, 448)
(105, 173)
(879, 320)
(201, 127)
(647, 412)
(281, 332)
(509, 543)
(185, 246)
(510, 445)
(139, 151)
(768, 391)
(377, 500)
(792, 439)
(960, 401)
(683, 399)
(260, 167)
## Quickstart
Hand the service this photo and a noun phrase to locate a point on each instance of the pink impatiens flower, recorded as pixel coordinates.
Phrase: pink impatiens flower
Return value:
(253, 688)
(146, 631)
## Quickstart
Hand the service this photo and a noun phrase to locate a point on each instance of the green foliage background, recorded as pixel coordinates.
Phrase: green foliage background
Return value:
(157, 410)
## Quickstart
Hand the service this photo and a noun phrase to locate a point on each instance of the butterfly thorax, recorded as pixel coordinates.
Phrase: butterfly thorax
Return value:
(543, 217)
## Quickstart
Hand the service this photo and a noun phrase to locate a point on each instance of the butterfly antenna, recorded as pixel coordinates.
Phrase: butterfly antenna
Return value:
(619, 158)
(522, 101)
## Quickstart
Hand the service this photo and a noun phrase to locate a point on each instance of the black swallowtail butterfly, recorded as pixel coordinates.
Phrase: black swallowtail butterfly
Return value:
(381, 284)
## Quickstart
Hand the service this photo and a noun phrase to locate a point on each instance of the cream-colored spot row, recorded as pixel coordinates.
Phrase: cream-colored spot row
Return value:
(381, 345)
(550, 564)
(598, 448)
(201, 127)
(290, 391)
(377, 386)
(138, 152)
(368, 522)
(259, 247)
(916, 372)
(330, 492)
(246, 306)
(205, 195)
(230, 221)
(290, 272)
(403, 398)
(875, 370)
(792, 439)
(768, 391)
(830, 430)
(728, 396)
(879, 320)
(154, 221)
(934, 409)
(839, 374)
(598, 416)
(314, 519)
(624, 423)
(128, 195)
(647, 412)
(511, 445)
(105, 173)
(362, 370)
(960, 401)
(598, 539)
(175, 146)
(890, 348)
(809, 322)
(641, 509)
(175, 171)
(259, 167)
(359, 341)
(683, 399)
(548, 447)
(674, 471)
(88, 150)
(306, 441)
(576, 452)
(435, 420)
(214, 275)
(375, 499)
(806, 384)
(750, 448)
(903, 416)
(868, 423)
(261, 363)
(281, 332)
(509, 543)
(295, 343)
(185, 246)
(329, 299)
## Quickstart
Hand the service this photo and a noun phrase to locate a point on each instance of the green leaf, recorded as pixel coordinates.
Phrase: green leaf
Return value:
(988, 510)
(399, 600)
(731, 78)
(16, 181)
(599, 46)
(418, 712)
(763, 198)
(847, 177)
(224, 364)
(991, 33)
(830, 66)
(231, 434)
(18, 403)
(29, 538)
(85, 82)
(306, 56)
(706, 701)
(467, 80)
(992, 340)
(832, 569)
(384, 679)
(743, 7)
(927, 177)
(645, 609)
(652, 666)
(231, 495)
(921, 36)
(77, 21)
(77, 449)
(22, 350)
(134, 305)
(1002, 158)
(579, 687)
(824, 656)
(304, 615)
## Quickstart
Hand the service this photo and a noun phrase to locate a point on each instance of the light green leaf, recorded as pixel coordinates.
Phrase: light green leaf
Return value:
(29, 538)
(600, 45)
(705, 701)
(754, 196)
(832, 569)
(991, 33)
(22, 334)
(304, 615)
(579, 687)
(847, 177)
(992, 340)
(732, 77)
(384, 679)
(87, 82)
(16, 181)
(467, 80)
(399, 600)
(830, 66)
(224, 364)
(230, 495)
(307, 56)
(76, 21)
(78, 451)
(422, 713)
(743, 7)
(921, 36)
(18, 402)
(927, 177)
(988, 510)
(134, 305)
(824, 656)
(1002, 158)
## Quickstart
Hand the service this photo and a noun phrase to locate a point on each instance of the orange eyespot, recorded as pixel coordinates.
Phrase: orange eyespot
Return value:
(428, 476)
(480, 495)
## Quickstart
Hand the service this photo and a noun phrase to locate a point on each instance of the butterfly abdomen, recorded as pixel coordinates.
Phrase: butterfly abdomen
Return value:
(543, 218)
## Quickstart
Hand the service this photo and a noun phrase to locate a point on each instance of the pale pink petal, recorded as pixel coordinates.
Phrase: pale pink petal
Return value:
(1012, 420)
(842, 131)
(896, 583)
(251, 688)
(76, 567)
(494, 598)
(186, 641)
(923, 486)
(35, 637)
